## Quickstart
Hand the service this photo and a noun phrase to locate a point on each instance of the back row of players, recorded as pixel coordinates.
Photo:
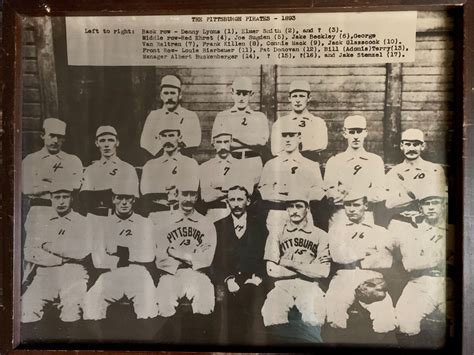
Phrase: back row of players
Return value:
(278, 240)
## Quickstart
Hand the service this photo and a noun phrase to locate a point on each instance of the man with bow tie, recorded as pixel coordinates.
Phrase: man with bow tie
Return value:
(160, 176)
(49, 165)
(238, 268)
(411, 178)
(314, 132)
(55, 247)
(354, 168)
(172, 111)
(102, 174)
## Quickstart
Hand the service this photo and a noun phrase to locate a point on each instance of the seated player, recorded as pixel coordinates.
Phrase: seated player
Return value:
(297, 258)
(55, 245)
(123, 250)
(361, 250)
(186, 242)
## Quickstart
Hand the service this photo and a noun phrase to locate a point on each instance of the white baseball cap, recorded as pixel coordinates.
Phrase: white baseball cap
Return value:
(126, 186)
(171, 81)
(413, 134)
(63, 185)
(299, 85)
(355, 194)
(355, 121)
(289, 126)
(188, 182)
(243, 83)
(54, 126)
(169, 125)
(105, 130)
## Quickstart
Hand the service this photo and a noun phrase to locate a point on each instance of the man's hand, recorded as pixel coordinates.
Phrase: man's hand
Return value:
(232, 286)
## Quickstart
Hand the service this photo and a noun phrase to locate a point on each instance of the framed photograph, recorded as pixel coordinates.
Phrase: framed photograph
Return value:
(237, 176)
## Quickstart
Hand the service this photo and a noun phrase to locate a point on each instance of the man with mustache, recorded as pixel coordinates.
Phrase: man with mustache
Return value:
(314, 132)
(160, 176)
(238, 268)
(354, 169)
(49, 165)
(102, 174)
(221, 172)
(249, 128)
(188, 121)
(410, 178)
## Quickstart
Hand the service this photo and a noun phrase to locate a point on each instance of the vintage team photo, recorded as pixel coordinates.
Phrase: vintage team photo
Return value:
(259, 205)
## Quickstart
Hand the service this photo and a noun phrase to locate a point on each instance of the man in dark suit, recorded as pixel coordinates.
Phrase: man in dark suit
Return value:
(238, 271)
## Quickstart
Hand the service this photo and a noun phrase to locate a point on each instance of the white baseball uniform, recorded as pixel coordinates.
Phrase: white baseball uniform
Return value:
(302, 253)
(185, 244)
(54, 246)
(104, 173)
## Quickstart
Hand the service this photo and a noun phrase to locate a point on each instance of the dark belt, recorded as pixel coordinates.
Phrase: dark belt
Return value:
(272, 205)
(44, 202)
(244, 154)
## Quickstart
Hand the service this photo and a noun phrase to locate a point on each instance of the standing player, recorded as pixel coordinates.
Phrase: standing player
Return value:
(314, 132)
(123, 249)
(297, 259)
(249, 128)
(172, 111)
(101, 175)
(239, 268)
(410, 178)
(50, 165)
(354, 169)
(361, 250)
(55, 245)
(186, 242)
(424, 249)
(161, 175)
(287, 172)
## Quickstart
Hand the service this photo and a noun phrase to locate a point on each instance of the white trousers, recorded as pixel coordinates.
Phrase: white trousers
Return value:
(68, 282)
(133, 281)
(189, 283)
(305, 295)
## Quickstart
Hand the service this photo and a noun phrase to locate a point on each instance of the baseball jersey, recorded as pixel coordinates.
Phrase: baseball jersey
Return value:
(306, 245)
(356, 170)
(246, 126)
(41, 168)
(164, 172)
(104, 173)
(314, 132)
(134, 233)
(286, 173)
(157, 120)
(406, 178)
(366, 242)
(192, 236)
(52, 239)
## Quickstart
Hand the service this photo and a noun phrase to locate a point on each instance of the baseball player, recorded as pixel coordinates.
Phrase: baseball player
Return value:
(354, 169)
(186, 242)
(123, 249)
(289, 171)
(221, 172)
(172, 111)
(297, 259)
(424, 248)
(102, 174)
(50, 165)
(410, 178)
(161, 175)
(238, 267)
(249, 128)
(361, 250)
(314, 132)
(55, 245)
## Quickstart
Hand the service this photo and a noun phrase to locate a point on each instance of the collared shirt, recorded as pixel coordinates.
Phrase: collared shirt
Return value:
(191, 235)
(240, 224)
(314, 132)
(41, 168)
(52, 239)
(415, 178)
(366, 242)
(247, 126)
(163, 173)
(286, 173)
(219, 174)
(104, 173)
(156, 121)
(307, 244)
(356, 170)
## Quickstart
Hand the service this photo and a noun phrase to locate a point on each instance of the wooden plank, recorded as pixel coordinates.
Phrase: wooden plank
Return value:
(30, 66)
(333, 79)
(339, 97)
(427, 96)
(437, 116)
(427, 106)
(31, 124)
(28, 37)
(28, 51)
(30, 81)
(407, 87)
(432, 58)
(338, 87)
(369, 71)
(336, 106)
(226, 72)
(434, 44)
(431, 79)
(268, 91)
(31, 95)
(411, 70)
(339, 116)
(433, 21)
(212, 98)
(392, 116)
(213, 79)
(31, 110)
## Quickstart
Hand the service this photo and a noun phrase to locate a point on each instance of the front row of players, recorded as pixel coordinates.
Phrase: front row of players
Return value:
(159, 260)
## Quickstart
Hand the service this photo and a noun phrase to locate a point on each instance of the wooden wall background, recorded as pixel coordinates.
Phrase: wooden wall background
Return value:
(391, 97)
